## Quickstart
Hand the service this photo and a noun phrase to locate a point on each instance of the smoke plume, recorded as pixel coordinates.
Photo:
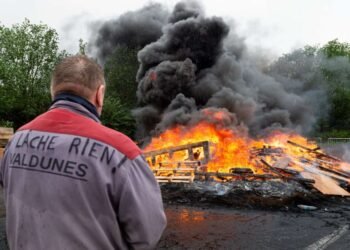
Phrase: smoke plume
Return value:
(134, 29)
(192, 66)
(199, 63)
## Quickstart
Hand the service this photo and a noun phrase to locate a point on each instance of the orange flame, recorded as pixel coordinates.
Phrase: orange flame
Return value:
(230, 148)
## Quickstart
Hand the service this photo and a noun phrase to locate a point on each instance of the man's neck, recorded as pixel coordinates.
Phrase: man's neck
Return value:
(66, 96)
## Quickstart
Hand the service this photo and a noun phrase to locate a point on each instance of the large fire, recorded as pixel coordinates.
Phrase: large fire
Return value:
(230, 149)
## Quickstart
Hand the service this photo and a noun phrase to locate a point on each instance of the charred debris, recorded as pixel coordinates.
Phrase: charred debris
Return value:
(281, 179)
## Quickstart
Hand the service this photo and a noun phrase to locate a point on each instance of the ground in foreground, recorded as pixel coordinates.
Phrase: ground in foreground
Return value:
(286, 228)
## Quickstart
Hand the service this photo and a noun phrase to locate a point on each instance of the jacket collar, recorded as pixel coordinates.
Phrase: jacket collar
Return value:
(76, 104)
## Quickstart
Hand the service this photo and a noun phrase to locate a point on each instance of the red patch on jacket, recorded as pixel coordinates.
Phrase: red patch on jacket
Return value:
(63, 121)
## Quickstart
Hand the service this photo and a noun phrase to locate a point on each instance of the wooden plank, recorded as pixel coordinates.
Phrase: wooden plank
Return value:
(343, 174)
(272, 168)
(4, 130)
(173, 169)
(282, 163)
(241, 171)
(176, 148)
(5, 136)
(192, 159)
(326, 185)
(246, 176)
(303, 180)
(3, 143)
(336, 177)
(290, 172)
(317, 153)
(175, 179)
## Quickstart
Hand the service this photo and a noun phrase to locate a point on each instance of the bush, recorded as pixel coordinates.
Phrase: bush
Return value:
(117, 116)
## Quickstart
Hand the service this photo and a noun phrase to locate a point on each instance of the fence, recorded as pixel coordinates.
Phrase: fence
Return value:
(338, 140)
(331, 141)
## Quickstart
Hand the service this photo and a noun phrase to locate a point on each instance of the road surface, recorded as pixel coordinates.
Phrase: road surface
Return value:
(209, 227)
(225, 228)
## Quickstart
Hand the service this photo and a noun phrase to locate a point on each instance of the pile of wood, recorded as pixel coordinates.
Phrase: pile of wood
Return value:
(312, 168)
(5, 135)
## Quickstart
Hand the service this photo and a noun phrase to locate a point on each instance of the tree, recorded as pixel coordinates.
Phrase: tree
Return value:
(325, 68)
(340, 106)
(82, 47)
(336, 70)
(120, 72)
(335, 48)
(117, 116)
(28, 54)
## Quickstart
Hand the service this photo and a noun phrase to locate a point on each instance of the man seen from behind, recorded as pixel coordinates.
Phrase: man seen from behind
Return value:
(71, 183)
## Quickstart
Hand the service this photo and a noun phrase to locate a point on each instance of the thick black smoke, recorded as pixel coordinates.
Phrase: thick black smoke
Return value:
(192, 66)
(184, 10)
(198, 39)
(162, 84)
(134, 29)
(198, 65)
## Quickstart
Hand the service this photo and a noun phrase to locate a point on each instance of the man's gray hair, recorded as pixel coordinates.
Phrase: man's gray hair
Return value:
(78, 74)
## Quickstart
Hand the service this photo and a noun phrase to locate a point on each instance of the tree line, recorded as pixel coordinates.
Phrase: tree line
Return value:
(29, 52)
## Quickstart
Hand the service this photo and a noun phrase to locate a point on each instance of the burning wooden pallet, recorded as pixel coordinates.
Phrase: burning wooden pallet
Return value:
(185, 175)
(322, 169)
(5, 135)
(179, 164)
(313, 167)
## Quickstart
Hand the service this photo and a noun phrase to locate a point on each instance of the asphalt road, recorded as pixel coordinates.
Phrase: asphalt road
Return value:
(244, 228)
(225, 228)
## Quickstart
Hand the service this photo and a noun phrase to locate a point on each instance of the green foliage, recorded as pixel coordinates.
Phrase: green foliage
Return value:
(301, 65)
(336, 71)
(340, 108)
(82, 47)
(28, 53)
(6, 124)
(334, 133)
(310, 50)
(115, 115)
(327, 67)
(335, 48)
(120, 73)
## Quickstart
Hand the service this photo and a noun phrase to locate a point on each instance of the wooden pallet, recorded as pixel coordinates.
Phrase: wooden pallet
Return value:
(175, 179)
(5, 136)
(6, 132)
(185, 175)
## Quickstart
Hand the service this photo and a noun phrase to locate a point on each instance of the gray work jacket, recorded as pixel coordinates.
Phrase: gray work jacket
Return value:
(71, 183)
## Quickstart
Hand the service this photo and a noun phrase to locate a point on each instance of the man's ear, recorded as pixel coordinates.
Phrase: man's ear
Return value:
(52, 92)
(100, 95)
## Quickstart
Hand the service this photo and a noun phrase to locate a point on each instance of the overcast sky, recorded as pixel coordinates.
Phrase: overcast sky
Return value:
(276, 26)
